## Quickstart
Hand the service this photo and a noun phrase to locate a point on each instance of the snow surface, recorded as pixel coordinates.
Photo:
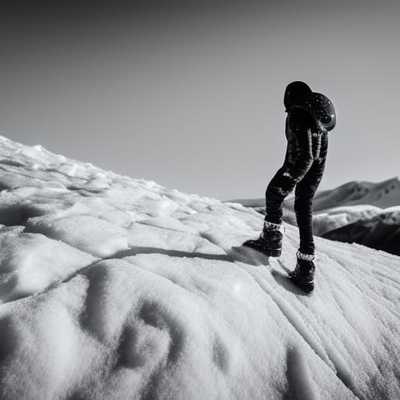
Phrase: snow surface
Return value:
(115, 288)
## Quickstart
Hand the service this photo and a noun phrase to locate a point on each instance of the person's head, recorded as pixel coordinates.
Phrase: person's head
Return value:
(296, 94)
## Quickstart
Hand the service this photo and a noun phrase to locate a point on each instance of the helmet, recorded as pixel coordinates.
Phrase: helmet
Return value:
(296, 94)
(322, 109)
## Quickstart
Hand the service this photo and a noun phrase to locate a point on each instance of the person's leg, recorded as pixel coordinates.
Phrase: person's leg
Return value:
(270, 240)
(280, 186)
(303, 274)
(304, 194)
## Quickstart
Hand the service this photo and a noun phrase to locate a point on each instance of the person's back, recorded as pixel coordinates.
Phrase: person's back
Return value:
(310, 116)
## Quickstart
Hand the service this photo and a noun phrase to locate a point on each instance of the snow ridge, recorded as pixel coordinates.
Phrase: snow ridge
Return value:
(115, 288)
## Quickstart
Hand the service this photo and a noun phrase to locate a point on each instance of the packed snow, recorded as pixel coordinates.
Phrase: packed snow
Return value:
(118, 288)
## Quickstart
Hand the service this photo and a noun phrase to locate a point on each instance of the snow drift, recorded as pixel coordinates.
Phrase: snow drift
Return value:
(114, 288)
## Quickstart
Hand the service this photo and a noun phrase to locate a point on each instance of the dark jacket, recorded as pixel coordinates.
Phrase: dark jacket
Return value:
(307, 143)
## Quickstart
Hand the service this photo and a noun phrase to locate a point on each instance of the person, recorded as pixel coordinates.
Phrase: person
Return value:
(310, 116)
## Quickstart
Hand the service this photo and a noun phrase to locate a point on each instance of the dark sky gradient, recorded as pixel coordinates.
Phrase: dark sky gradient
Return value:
(190, 95)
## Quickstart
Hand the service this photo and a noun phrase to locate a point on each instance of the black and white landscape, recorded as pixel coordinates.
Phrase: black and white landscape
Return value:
(117, 288)
(121, 275)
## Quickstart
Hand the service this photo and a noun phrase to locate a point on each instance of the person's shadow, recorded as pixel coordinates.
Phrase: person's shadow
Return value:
(136, 250)
(234, 254)
(248, 256)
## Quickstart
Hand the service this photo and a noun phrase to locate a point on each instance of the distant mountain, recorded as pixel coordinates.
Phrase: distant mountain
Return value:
(251, 203)
(382, 194)
(336, 217)
(381, 232)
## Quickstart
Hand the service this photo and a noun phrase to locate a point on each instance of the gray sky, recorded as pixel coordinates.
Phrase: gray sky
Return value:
(191, 96)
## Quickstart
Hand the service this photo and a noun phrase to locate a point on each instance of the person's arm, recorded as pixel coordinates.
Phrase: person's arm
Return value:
(300, 126)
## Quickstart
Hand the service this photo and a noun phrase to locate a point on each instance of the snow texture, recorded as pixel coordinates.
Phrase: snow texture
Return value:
(115, 288)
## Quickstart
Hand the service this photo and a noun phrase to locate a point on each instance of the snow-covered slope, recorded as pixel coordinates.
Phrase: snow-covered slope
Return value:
(114, 288)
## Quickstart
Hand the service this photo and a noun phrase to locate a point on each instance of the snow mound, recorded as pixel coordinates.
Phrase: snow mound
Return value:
(115, 288)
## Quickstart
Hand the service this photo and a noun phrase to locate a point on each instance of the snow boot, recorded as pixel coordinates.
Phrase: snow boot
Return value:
(303, 274)
(269, 242)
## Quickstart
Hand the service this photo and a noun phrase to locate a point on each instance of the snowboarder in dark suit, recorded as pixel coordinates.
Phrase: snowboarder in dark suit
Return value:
(310, 116)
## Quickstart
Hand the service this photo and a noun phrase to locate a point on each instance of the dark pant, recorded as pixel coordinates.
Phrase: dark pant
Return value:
(282, 185)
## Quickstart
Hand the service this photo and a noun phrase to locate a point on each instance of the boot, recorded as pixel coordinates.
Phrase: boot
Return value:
(270, 240)
(303, 274)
